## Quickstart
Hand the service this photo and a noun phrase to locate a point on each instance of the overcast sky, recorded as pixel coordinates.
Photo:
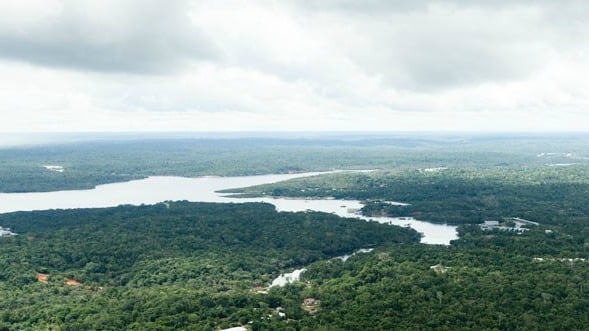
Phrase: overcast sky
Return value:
(175, 65)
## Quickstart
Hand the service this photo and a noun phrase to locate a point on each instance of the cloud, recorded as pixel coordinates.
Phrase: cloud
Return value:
(432, 45)
(137, 36)
(293, 65)
(411, 45)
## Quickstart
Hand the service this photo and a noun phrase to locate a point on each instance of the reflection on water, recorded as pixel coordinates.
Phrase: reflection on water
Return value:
(288, 278)
(203, 189)
(344, 258)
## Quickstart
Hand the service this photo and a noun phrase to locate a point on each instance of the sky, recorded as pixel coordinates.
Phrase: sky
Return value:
(329, 65)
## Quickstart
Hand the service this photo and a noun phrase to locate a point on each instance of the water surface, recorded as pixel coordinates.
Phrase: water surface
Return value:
(203, 189)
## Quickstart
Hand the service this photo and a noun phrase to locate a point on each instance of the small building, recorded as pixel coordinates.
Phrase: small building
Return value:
(260, 290)
(5, 232)
(488, 225)
(43, 278)
(438, 268)
(72, 282)
(524, 222)
(513, 224)
(311, 305)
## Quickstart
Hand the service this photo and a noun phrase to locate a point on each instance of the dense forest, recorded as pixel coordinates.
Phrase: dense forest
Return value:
(170, 265)
(199, 266)
(547, 194)
(92, 162)
(451, 288)
(203, 266)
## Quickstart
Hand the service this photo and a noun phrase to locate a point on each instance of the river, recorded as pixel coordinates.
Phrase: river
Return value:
(203, 189)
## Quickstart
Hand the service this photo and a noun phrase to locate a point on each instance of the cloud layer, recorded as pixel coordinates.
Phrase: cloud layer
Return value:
(137, 36)
(133, 65)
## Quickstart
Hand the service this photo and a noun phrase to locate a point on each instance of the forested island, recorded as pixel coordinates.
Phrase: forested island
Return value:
(180, 265)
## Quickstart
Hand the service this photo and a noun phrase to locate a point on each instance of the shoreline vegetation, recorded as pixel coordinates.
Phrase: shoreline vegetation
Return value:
(207, 266)
(216, 249)
(101, 161)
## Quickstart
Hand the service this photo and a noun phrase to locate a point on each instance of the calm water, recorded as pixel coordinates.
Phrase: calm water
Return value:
(201, 189)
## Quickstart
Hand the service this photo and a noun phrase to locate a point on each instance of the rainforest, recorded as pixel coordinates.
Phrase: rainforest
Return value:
(520, 261)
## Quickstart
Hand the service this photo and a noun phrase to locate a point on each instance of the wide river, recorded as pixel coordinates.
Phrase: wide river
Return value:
(203, 189)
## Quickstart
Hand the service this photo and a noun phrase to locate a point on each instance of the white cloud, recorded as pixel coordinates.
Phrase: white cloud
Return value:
(273, 65)
(138, 36)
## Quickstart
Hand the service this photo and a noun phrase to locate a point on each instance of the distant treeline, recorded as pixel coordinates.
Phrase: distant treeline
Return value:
(89, 163)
